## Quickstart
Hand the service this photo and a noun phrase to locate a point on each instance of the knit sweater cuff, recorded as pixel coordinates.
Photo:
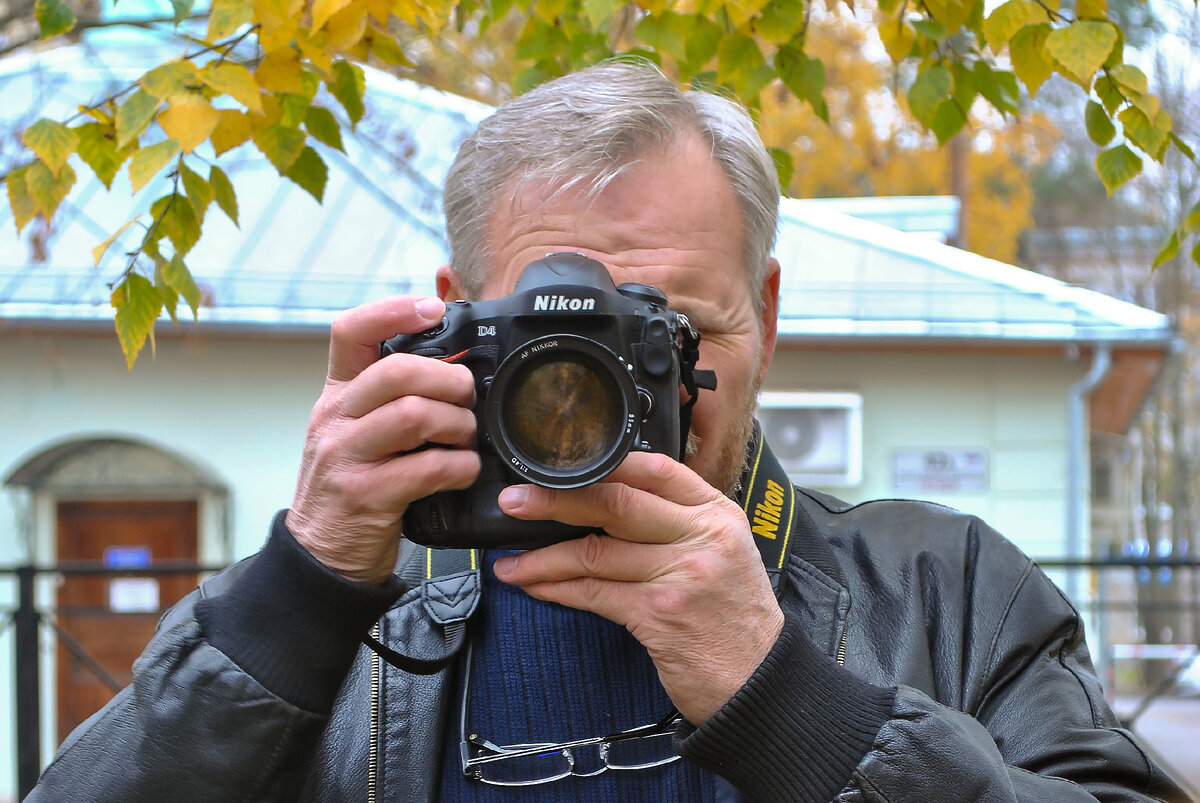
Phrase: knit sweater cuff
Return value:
(293, 624)
(796, 730)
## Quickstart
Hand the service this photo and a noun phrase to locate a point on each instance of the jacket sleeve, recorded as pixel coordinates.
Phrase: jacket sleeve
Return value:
(231, 697)
(1041, 730)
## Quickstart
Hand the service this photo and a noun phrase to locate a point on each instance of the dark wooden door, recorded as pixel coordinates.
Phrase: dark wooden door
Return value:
(112, 617)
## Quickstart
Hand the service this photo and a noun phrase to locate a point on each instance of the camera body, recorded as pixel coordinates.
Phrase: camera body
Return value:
(572, 373)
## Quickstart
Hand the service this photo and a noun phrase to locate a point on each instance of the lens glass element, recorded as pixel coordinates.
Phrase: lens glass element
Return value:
(563, 414)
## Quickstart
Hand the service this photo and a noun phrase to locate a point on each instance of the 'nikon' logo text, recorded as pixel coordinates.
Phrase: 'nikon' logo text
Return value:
(767, 512)
(559, 303)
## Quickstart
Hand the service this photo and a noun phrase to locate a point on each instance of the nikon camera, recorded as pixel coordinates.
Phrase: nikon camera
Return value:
(572, 373)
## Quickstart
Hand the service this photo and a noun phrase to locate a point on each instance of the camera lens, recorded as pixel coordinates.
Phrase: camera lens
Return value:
(562, 411)
(563, 414)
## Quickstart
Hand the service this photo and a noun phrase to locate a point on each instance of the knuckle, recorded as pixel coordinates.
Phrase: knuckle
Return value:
(668, 603)
(591, 553)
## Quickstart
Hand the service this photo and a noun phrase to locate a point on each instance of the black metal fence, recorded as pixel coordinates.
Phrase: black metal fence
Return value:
(1143, 615)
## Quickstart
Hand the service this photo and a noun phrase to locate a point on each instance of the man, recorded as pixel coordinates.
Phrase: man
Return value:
(890, 651)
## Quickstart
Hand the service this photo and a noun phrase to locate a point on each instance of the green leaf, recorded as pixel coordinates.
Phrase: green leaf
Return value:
(169, 79)
(1116, 166)
(223, 193)
(294, 109)
(784, 166)
(1129, 78)
(947, 121)
(1191, 224)
(134, 115)
(348, 87)
(805, 77)
(48, 190)
(182, 9)
(1081, 48)
(147, 162)
(323, 127)
(928, 91)
(1099, 128)
(741, 66)
(98, 149)
(780, 20)
(998, 87)
(1028, 55)
(52, 141)
(930, 29)
(53, 17)
(1196, 254)
(180, 279)
(281, 145)
(177, 219)
(310, 173)
(199, 193)
(1183, 147)
(965, 85)
(1168, 251)
(1109, 94)
(138, 303)
(1149, 135)
(599, 12)
(666, 33)
(22, 204)
(1003, 23)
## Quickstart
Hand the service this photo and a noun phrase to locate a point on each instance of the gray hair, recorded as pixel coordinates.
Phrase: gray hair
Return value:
(584, 130)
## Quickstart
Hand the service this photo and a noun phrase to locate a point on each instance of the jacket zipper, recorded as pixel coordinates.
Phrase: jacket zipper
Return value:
(841, 650)
(376, 696)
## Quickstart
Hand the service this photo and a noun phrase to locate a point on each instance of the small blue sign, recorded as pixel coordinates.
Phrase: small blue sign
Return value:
(127, 557)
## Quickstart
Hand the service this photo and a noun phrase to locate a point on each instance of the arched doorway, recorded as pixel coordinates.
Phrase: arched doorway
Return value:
(112, 504)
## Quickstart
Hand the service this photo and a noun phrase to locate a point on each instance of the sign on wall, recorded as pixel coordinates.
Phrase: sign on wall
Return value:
(943, 470)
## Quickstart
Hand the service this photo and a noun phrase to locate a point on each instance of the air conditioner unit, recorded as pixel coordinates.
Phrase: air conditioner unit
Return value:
(817, 437)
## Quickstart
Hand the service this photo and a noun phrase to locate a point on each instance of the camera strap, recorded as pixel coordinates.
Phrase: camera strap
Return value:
(769, 500)
(450, 593)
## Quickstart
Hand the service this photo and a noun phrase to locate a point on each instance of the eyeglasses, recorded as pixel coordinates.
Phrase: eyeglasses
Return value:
(543, 762)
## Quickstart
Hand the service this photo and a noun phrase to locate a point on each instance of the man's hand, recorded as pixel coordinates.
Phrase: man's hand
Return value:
(362, 462)
(679, 569)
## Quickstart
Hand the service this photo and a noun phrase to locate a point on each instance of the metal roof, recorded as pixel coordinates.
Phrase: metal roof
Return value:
(295, 264)
(850, 278)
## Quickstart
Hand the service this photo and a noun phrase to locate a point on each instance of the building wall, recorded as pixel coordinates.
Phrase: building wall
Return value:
(235, 411)
(1014, 408)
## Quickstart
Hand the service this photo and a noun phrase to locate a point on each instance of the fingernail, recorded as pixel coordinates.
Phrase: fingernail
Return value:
(430, 308)
(514, 496)
(504, 566)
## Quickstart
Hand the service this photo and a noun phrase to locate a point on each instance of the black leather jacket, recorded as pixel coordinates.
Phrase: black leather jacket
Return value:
(996, 697)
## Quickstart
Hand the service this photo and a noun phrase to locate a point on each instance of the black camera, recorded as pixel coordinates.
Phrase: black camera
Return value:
(572, 373)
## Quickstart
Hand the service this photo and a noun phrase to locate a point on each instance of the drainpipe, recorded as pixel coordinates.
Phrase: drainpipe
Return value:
(1077, 449)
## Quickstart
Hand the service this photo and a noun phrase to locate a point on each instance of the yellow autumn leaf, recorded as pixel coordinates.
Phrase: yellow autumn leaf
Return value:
(189, 119)
(347, 27)
(324, 9)
(99, 250)
(233, 128)
(280, 71)
(235, 81)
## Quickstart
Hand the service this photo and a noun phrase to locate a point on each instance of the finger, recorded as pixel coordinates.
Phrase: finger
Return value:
(663, 477)
(355, 335)
(596, 556)
(406, 478)
(621, 510)
(407, 423)
(400, 375)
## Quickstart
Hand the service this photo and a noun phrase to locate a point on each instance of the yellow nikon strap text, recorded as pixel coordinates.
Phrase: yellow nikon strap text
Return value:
(769, 504)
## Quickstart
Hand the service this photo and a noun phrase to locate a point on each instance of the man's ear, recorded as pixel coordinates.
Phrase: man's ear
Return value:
(769, 298)
(449, 285)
